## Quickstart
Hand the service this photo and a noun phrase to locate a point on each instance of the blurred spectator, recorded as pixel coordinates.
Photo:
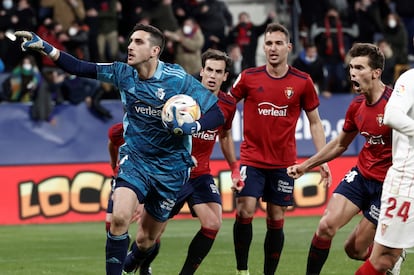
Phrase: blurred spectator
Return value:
(79, 89)
(26, 16)
(4, 86)
(387, 75)
(405, 9)
(65, 11)
(184, 9)
(215, 20)
(369, 19)
(52, 32)
(25, 80)
(132, 13)
(92, 21)
(107, 39)
(309, 62)
(189, 41)
(161, 14)
(245, 34)
(311, 12)
(78, 39)
(396, 35)
(234, 52)
(10, 54)
(333, 40)
(2, 67)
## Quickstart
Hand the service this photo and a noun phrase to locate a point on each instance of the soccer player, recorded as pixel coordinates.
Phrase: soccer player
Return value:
(396, 226)
(360, 189)
(154, 163)
(200, 192)
(115, 140)
(274, 96)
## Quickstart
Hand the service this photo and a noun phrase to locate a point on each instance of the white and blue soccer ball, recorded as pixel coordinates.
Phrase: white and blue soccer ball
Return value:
(187, 110)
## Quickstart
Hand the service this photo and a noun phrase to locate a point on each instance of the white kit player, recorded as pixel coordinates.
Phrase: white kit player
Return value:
(396, 222)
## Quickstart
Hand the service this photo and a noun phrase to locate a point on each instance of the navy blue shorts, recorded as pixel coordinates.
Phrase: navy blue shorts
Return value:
(198, 190)
(364, 193)
(158, 192)
(272, 185)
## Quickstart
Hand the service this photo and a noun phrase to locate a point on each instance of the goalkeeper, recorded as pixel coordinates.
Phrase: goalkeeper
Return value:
(154, 163)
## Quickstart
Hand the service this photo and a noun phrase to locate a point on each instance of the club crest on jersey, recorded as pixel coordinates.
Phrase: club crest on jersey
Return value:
(160, 93)
(289, 92)
(380, 119)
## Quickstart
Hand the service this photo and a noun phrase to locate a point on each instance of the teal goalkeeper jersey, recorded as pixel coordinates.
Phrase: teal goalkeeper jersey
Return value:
(146, 140)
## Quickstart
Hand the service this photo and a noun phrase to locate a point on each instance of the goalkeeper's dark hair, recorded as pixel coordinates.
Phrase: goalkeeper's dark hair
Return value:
(216, 55)
(375, 56)
(157, 37)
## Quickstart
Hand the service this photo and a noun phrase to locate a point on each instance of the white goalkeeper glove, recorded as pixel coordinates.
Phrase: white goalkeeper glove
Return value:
(33, 42)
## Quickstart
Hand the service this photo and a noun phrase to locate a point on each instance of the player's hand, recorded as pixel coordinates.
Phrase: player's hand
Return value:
(185, 128)
(326, 176)
(236, 178)
(33, 42)
(295, 171)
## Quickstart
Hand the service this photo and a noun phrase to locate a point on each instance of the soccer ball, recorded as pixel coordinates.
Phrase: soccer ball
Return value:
(187, 110)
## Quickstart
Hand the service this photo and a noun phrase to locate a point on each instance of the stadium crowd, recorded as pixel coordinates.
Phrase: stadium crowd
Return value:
(98, 31)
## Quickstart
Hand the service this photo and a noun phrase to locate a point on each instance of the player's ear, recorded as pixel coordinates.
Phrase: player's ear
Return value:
(226, 74)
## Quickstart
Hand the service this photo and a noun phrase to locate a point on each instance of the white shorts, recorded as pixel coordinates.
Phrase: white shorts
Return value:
(396, 221)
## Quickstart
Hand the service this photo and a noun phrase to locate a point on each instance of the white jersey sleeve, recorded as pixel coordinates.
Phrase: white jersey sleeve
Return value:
(399, 112)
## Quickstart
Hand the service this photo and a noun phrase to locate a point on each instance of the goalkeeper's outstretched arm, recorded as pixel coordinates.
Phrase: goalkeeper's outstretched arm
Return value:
(65, 61)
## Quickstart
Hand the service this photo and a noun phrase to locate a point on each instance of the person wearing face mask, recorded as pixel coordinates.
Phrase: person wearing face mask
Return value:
(187, 42)
(25, 80)
(309, 61)
(396, 35)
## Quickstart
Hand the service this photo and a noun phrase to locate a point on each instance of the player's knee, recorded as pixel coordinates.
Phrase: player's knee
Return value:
(120, 220)
(326, 229)
(214, 223)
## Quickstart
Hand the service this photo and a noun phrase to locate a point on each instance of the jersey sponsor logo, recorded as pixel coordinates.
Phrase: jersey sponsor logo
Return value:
(208, 135)
(167, 204)
(289, 92)
(269, 109)
(146, 109)
(373, 140)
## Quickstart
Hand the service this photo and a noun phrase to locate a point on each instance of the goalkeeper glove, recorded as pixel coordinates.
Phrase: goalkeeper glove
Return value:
(33, 42)
(187, 128)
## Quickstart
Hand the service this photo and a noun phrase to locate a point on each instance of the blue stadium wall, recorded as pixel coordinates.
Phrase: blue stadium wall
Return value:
(58, 170)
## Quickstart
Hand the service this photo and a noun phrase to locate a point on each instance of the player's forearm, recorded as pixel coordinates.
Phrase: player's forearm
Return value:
(397, 119)
(227, 147)
(330, 151)
(212, 119)
(76, 66)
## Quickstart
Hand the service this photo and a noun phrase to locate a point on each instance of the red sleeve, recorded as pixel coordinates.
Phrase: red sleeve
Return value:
(116, 134)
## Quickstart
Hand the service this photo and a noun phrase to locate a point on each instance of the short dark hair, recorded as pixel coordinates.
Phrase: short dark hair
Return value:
(157, 37)
(277, 27)
(216, 55)
(374, 54)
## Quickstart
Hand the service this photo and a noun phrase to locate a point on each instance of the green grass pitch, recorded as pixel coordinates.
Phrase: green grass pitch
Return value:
(79, 249)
